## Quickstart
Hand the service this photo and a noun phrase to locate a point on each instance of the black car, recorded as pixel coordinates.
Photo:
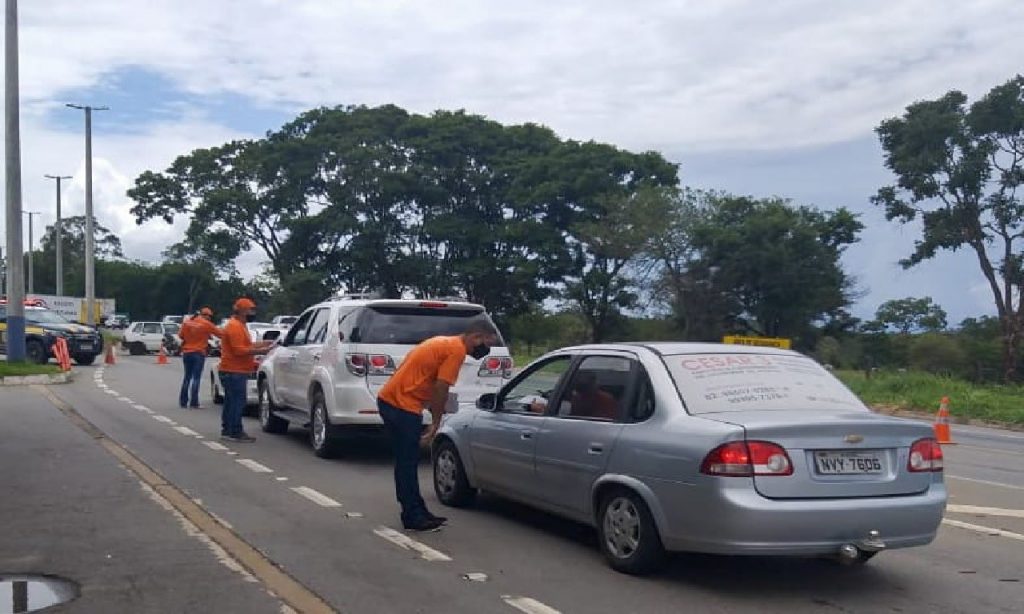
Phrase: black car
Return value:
(85, 343)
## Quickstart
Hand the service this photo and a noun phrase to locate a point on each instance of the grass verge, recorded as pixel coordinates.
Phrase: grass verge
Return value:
(8, 369)
(918, 391)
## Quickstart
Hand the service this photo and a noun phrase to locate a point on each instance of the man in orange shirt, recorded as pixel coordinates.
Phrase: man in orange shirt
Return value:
(237, 363)
(423, 380)
(195, 336)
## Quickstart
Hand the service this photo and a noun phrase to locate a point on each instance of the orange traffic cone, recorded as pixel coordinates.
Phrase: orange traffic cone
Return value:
(109, 359)
(941, 425)
(161, 358)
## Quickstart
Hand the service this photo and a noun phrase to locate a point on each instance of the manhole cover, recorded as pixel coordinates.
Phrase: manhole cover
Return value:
(32, 593)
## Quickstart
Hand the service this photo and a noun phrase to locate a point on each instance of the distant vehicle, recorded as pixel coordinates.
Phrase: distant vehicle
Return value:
(327, 370)
(118, 321)
(698, 447)
(284, 321)
(251, 397)
(173, 320)
(144, 337)
(42, 329)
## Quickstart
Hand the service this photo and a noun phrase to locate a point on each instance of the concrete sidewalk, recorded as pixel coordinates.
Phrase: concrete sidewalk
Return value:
(68, 508)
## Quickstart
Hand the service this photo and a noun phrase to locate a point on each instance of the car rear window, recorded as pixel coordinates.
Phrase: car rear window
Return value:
(412, 325)
(740, 382)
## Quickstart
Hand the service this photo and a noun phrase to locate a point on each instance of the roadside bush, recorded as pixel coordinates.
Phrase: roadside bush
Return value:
(939, 354)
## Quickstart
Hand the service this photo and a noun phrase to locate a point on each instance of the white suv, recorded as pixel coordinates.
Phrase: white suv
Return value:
(326, 371)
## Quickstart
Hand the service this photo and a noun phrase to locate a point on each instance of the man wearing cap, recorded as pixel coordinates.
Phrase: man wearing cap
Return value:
(195, 336)
(237, 363)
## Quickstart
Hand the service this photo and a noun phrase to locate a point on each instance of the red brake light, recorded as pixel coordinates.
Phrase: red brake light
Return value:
(381, 364)
(925, 455)
(379, 361)
(496, 366)
(356, 364)
(747, 458)
(493, 364)
(436, 304)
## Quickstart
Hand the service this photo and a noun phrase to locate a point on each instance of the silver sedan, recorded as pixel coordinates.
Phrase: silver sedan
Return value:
(697, 447)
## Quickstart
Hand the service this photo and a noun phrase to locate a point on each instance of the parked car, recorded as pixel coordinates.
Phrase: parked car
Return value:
(697, 447)
(143, 337)
(42, 329)
(171, 319)
(118, 321)
(251, 398)
(327, 370)
(284, 321)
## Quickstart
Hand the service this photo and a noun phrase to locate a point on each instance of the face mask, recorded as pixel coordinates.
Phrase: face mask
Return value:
(250, 317)
(479, 351)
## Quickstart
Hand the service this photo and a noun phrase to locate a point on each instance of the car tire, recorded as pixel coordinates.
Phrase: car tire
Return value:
(85, 359)
(323, 436)
(137, 348)
(218, 398)
(268, 421)
(36, 352)
(627, 534)
(450, 482)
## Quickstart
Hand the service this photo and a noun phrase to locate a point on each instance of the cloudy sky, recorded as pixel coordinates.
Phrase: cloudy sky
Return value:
(763, 98)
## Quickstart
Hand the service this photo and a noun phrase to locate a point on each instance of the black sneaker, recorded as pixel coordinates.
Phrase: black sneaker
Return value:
(243, 438)
(427, 525)
(440, 519)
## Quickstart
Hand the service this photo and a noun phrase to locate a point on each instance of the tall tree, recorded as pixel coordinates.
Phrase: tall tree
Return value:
(909, 314)
(958, 170)
(107, 245)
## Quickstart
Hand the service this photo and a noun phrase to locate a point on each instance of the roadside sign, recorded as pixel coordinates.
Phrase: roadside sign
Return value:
(771, 342)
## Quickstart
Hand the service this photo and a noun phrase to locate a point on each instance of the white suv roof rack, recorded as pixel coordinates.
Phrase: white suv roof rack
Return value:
(355, 296)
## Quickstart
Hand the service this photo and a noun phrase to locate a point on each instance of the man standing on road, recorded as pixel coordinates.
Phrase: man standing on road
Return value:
(237, 363)
(423, 379)
(195, 337)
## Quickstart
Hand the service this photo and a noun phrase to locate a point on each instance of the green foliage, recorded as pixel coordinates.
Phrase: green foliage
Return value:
(14, 369)
(909, 314)
(828, 351)
(937, 353)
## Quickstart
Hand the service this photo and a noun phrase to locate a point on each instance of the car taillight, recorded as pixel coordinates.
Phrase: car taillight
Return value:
(496, 366)
(356, 364)
(747, 458)
(381, 364)
(925, 455)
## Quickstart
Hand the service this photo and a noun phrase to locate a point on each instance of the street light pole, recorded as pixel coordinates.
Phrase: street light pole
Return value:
(58, 234)
(31, 269)
(90, 233)
(12, 168)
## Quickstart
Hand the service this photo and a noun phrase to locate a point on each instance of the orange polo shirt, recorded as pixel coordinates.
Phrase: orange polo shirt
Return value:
(235, 344)
(439, 358)
(195, 334)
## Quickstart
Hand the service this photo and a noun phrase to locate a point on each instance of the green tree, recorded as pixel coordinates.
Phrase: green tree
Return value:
(44, 259)
(910, 314)
(938, 353)
(958, 170)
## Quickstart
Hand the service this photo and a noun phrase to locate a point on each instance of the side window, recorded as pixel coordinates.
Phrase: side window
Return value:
(642, 407)
(297, 333)
(318, 326)
(153, 329)
(345, 319)
(597, 390)
(532, 393)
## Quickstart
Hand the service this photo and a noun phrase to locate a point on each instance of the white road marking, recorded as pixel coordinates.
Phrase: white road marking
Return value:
(475, 576)
(281, 479)
(315, 496)
(528, 605)
(353, 514)
(986, 511)
(993, 450)
(184, 430)
(146, 410)
(407, 543)
(213, 445)
(140, 407)
(126, 400)
(986, 530)
(253, 465)
(112, 393)
(988, 482)
(164, 419)
(232, 453)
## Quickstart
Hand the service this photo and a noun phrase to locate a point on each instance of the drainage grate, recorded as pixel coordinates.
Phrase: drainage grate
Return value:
(30, 593)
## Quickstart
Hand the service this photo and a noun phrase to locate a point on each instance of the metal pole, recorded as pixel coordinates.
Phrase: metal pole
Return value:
(90, 270)
(58, 235)
(12, 149)
(31, 269)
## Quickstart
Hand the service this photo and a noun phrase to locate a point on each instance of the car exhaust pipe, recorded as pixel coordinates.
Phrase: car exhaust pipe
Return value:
(873, 542)
(848, 553)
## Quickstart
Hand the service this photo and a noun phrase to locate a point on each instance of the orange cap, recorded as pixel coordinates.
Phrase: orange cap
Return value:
(206, 311)
(244, 303)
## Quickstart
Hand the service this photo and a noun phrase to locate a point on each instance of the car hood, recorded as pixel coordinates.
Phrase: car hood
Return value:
(69, 328)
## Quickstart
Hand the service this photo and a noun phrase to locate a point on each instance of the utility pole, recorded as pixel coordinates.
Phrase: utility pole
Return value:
(90, 233)
(58, 237)
(12, 168)
(31, 269)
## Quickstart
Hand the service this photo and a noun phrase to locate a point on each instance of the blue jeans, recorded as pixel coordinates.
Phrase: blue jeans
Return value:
(193, 362)
(405, 429)
(234, 403)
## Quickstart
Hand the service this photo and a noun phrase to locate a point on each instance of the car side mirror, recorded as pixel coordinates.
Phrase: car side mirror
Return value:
(487, 402)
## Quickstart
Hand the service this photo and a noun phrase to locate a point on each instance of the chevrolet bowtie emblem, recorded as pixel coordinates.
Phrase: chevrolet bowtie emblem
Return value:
(853, 438)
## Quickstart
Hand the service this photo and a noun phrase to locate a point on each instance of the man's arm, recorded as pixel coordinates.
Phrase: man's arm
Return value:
(438, 400)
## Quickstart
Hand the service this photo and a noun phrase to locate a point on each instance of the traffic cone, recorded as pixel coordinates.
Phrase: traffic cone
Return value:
(161, 358)
(941, 425)
(109, 359)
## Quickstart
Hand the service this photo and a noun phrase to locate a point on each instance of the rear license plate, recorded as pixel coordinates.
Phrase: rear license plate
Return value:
(85, 347)
(848, 463)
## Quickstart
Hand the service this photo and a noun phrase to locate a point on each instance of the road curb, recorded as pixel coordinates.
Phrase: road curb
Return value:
(32, 380)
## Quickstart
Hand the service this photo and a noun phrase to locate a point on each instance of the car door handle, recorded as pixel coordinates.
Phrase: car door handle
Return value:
(595, 448)
(316, 357)
(526, 435)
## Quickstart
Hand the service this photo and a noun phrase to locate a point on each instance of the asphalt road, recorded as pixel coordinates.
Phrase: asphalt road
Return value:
(326, 523)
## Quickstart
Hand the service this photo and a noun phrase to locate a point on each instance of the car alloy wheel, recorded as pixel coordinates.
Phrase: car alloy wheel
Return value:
(319, 427)
(622, 527)
(447, 472)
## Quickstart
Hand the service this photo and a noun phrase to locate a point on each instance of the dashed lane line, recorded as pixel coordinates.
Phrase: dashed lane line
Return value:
(407, 543)
(248, 463)
(977, 528)
(984, 511)
(164, 419)
(986, 482)
(315, 496)
(184, 430)
(213, 445)
(528, 605)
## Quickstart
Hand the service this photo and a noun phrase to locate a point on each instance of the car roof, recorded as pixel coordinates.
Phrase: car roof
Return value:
(396, 302)
(672, 348)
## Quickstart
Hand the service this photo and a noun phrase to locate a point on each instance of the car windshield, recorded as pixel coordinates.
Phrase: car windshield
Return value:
(45, 316)
(411, 325)
(171, 328)
(738, 382)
